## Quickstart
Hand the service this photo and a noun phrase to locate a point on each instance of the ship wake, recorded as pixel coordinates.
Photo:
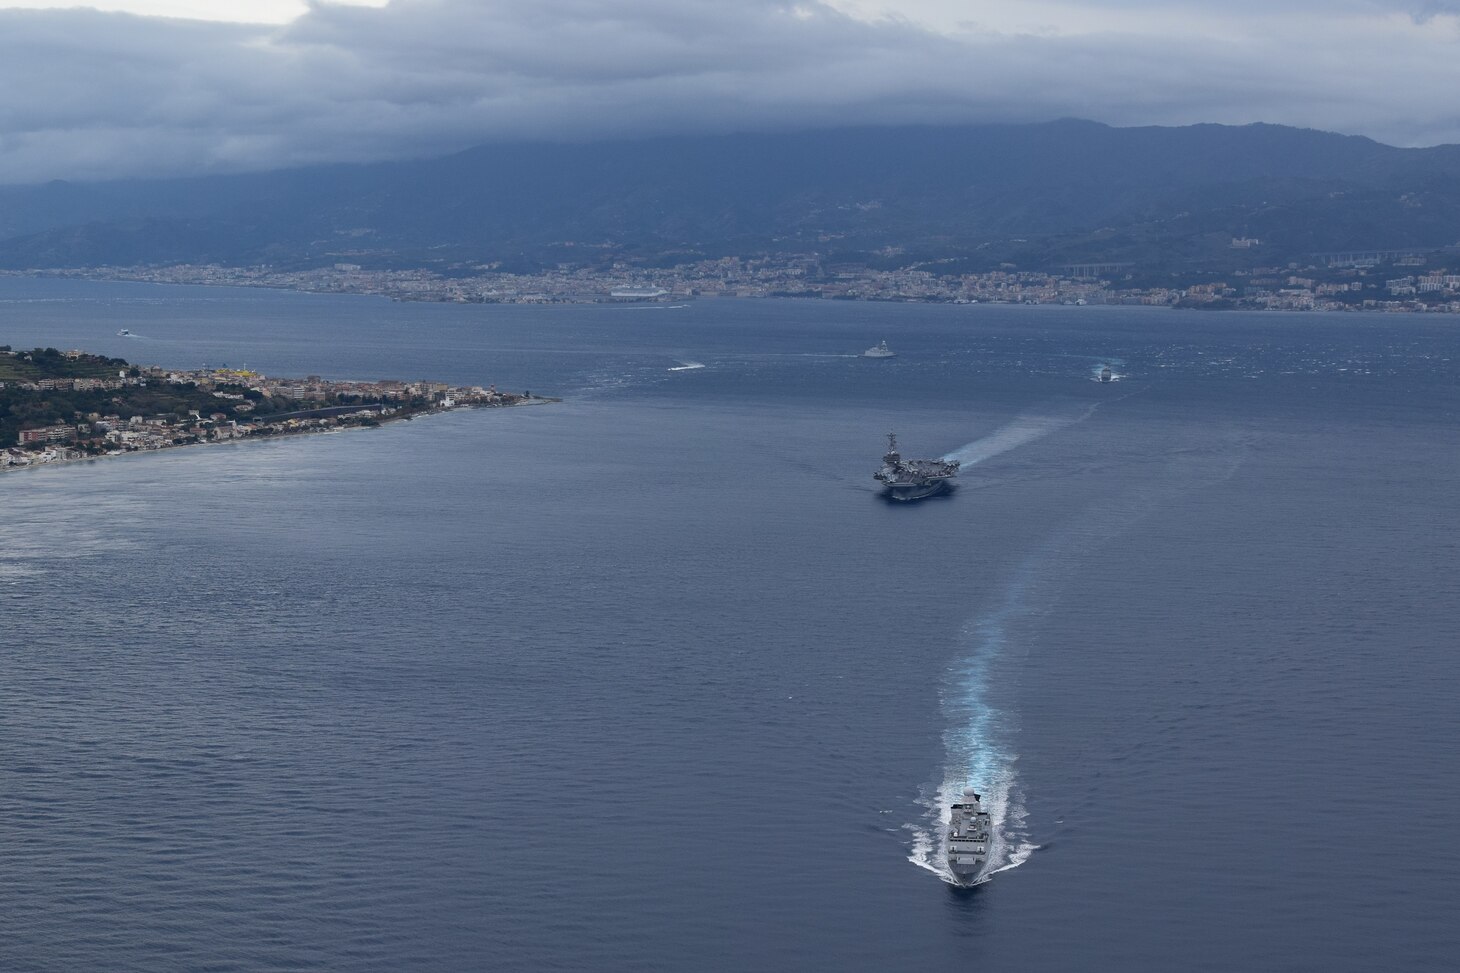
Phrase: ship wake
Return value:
(978, 743)
(979, 751)
(1021, 430)
(981, 735)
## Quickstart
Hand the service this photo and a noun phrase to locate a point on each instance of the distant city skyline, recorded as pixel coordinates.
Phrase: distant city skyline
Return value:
(171, 87)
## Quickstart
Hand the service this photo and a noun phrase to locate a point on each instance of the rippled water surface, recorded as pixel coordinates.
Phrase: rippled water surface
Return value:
(651, 679)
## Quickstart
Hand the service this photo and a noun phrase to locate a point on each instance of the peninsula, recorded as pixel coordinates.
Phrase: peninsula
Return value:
(57, 406)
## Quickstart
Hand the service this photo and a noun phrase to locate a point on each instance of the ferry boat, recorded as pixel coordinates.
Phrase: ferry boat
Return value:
(637, 293)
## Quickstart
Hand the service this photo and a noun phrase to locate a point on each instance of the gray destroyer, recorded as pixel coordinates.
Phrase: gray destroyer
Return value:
(969, 838)
(912, 479)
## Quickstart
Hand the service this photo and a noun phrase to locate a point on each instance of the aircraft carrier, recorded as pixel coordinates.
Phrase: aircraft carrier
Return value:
(912, 479)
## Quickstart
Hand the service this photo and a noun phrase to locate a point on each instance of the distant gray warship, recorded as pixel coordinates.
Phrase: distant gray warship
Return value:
(912, 479)
(969, 838)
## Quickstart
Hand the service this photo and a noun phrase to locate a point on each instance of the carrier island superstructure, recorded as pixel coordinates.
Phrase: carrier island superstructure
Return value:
(969, 838)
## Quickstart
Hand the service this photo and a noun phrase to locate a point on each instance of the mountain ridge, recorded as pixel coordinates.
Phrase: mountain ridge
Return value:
(981, 196)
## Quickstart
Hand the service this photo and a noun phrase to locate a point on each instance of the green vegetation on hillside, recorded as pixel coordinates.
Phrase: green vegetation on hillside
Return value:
(1035, 196)
(28, 408)
(41, 363)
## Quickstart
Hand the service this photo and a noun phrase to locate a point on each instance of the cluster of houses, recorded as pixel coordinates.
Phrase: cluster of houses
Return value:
(110, 435)
(290, 406)
(313, 387)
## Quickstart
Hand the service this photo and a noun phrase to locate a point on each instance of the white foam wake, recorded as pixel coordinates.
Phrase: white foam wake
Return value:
(979, 740)
(979, 751)
(1021, 430)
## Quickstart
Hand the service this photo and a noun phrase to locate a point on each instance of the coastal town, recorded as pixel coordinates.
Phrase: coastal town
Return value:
(1377, 280)
(60, 406)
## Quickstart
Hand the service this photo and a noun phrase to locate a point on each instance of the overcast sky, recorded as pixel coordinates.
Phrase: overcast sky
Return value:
(165, 87)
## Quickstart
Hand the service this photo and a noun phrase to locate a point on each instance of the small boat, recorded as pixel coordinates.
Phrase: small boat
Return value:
(124, 333)
(879, 351)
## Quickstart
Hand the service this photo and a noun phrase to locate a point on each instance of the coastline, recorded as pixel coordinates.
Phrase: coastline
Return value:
(1204, 291)
(384, 420)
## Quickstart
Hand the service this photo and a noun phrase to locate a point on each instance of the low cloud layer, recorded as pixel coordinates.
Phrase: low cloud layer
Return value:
(86, 95)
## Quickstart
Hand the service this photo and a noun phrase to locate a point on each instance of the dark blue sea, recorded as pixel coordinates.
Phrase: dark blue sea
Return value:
(653, 680)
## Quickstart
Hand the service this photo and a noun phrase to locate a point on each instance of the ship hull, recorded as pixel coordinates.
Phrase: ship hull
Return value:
(965, 874)
(914, 492)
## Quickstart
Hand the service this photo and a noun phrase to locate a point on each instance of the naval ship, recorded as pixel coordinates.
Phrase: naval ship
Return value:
(912, 479)
(969, 838)
(879, 351)
(638, 293)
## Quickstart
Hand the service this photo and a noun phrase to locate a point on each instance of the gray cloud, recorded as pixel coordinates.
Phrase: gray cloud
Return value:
(91, 95)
